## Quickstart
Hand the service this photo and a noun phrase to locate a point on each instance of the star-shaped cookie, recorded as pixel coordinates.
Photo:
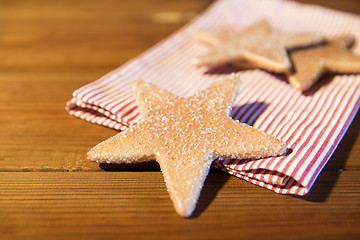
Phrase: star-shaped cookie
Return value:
(256, 46)
(311, 63)
(185, 135)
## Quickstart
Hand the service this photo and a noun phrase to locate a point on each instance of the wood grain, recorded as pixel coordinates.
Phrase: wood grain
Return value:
(48, 190)
(131, 204)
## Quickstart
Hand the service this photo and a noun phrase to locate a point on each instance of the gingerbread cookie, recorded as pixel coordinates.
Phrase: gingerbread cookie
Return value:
(185, 135)
(256, 46)
(311, 63)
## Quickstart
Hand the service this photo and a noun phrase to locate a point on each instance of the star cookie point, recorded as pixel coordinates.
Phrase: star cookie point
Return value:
(311, 63)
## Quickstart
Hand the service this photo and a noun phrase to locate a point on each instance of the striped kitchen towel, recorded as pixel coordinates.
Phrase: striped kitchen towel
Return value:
(311, 124)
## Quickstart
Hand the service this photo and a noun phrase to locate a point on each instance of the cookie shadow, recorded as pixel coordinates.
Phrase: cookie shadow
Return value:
(335, 166)
(322, 82)
(222, 70)
(214, 182)
(150, 166)
(249, 112)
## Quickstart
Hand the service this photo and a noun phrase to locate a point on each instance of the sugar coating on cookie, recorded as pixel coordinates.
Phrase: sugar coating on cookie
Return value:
(185, 135)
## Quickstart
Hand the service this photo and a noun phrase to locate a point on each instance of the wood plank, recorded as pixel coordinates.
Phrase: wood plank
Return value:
(49, 49)
(352, 6)
(112, 204)
(40, 33)
(37, 133)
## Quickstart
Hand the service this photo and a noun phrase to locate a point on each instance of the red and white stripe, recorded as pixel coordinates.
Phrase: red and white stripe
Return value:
(311, 125)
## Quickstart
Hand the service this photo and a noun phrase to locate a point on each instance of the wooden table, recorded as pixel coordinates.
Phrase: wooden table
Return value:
(48, 190)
